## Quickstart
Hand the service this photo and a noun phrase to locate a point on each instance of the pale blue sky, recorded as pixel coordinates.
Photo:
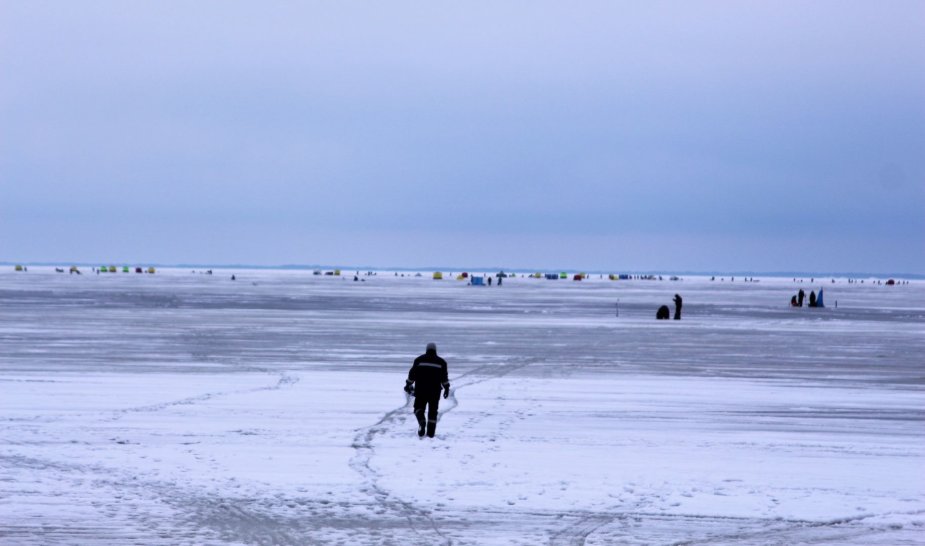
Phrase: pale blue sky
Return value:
(597, 135)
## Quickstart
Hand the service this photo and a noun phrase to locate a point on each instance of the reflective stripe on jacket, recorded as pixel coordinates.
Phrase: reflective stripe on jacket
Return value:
(428, 373)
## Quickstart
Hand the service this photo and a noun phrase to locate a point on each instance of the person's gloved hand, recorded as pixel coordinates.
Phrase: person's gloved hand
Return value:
(408, 388)
(446, 390)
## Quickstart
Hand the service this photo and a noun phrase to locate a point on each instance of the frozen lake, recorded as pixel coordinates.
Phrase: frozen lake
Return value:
(182, 408)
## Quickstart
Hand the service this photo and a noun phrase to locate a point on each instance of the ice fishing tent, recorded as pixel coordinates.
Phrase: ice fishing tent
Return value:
(612, 277)
(125, 269)
(477, 281)
(577, 277)
(112, 269)
(438, 276)
(138, 270)
(151, 270)
(18, 268)
(819, 302)
(552, 277)
(563, 275)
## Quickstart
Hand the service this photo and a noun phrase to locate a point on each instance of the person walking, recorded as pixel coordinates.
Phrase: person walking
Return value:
(677, 306)
(427, 376)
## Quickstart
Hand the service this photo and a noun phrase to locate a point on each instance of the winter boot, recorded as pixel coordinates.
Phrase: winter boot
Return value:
(421, 422)
(431, 429)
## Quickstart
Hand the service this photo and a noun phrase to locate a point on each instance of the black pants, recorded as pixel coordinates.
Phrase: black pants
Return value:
(430, 402)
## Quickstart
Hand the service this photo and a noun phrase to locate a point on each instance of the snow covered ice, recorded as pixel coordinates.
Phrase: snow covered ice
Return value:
(182, 408)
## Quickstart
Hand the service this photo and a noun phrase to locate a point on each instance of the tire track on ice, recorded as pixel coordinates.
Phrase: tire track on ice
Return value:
(285, 380)
(363, 445)
(576, 533)
(486, 372)
(776, 531)
(789, 530)
(235, 520)
(232, 520)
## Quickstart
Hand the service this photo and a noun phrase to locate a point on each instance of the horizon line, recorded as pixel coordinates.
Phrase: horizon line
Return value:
(742, 272)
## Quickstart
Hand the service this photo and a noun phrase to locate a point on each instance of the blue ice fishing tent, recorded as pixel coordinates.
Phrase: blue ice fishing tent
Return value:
(819, 299)
(552, 277)
(477, 281)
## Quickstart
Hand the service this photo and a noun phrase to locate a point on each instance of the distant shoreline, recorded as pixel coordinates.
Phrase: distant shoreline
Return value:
(519, 270)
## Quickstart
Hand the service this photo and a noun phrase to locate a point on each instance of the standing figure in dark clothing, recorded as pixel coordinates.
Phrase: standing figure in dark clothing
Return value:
(800, 295)
(426, 378)
(793, 301)
(812, 298)
(677, 306)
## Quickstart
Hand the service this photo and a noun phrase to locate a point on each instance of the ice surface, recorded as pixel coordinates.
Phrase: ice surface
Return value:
(183, 408)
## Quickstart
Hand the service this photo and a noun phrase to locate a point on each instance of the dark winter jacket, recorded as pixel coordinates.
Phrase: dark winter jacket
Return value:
(429, 375)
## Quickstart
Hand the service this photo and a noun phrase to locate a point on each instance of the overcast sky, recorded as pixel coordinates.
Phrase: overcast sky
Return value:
(767, 136)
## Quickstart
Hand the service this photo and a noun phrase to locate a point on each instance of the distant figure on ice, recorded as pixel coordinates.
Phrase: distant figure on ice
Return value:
(663, 313)
(425, 379)
(812, 298)
(800, 296)
(793, 301)
(232, 277)
(489, 280)
(677, 306)
(500, 279)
